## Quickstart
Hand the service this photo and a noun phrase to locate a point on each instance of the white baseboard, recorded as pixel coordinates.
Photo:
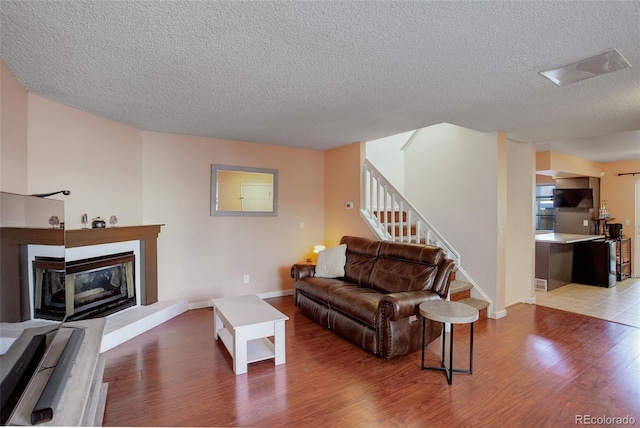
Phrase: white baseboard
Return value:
(200, 305)
(279, 293)
(498, 315)
(267, 295)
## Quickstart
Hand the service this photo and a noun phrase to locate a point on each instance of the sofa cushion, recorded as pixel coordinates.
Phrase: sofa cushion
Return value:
(427, 254)
(357, 303)
(319, 289)
(361, 257)
(393, 276)
(406, 267)
(331, 262)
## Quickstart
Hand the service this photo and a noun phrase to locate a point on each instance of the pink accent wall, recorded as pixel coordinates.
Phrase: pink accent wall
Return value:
(619, 192)
(203, 257)
(560, 165)
(151, 177)
(13, 133)
(343, 175)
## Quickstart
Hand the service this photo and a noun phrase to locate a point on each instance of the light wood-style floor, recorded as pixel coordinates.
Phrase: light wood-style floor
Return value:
(619, 304)
(537, 367)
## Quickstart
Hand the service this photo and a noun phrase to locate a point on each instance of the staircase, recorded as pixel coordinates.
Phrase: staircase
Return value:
(460, 291)
(398, 227)
(393, 218)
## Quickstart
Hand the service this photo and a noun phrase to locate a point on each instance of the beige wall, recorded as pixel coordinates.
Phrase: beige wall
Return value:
(502, 218)
(343, 176)
(556, 164)
(520, 227)
(97, 159)
(13, 133)
(465, 163)
(201, 256)
(156, 178)
(544, 179)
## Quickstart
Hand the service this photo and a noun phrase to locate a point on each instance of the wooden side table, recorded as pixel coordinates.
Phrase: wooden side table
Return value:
(448, 313)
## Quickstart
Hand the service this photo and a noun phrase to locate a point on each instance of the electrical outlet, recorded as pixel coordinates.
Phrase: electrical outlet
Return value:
(245, 279)
(585, 223)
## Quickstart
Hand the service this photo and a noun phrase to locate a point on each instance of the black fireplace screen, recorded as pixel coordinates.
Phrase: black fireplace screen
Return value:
(86, 288)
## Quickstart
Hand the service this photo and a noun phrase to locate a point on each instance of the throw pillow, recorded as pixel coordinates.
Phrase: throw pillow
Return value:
(331, 262)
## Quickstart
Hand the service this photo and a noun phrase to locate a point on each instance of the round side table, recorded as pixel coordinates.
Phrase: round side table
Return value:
(448, 313)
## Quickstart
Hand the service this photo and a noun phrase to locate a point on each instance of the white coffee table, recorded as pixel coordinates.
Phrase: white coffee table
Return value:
(244, 324)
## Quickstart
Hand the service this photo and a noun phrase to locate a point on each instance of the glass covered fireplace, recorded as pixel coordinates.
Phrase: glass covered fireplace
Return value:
(88, 288)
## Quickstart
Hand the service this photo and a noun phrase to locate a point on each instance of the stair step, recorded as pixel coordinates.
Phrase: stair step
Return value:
(458, 286)
(404, 230)
(480, 305)
(391, 216)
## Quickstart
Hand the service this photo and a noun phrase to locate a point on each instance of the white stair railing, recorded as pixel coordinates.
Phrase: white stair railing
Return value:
(392, 217)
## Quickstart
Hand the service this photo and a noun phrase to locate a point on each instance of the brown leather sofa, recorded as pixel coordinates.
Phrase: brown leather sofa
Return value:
(375, 305)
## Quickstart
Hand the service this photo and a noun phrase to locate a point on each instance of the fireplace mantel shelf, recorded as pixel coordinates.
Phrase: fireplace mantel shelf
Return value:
(85, 237)
(15, 306)
(72, 238)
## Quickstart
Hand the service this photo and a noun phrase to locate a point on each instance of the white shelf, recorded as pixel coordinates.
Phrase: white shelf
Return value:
(257, 349)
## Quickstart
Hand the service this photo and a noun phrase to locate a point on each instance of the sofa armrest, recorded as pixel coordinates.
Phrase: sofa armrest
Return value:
(404, 304)
(302, 270)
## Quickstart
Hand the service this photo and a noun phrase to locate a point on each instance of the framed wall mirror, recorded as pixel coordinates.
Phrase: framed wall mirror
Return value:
(243, 191)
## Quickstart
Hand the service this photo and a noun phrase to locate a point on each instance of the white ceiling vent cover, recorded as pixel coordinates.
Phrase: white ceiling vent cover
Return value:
(586, 68)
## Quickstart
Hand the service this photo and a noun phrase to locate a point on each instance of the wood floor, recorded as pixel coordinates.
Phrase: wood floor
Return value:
(537, 367)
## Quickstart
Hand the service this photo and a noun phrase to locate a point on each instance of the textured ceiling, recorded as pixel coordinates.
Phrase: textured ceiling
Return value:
(326, 73)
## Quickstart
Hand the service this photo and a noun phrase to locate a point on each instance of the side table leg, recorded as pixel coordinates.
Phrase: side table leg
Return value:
(471, 351)
(449, 370)
(444, 340)
(423, 328)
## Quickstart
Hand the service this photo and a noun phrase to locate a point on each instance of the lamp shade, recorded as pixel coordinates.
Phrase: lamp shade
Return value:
(318, 248)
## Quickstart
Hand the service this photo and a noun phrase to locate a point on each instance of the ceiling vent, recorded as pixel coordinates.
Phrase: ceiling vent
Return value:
(586, 68)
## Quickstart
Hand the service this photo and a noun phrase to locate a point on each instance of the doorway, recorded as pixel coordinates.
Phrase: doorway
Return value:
(257, 197)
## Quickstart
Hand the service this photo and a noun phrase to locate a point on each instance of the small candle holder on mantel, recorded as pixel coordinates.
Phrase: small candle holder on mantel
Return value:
(98, 223)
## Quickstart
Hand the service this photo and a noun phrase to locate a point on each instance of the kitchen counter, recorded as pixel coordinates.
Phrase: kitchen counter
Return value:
(555, 259)
(566, 238)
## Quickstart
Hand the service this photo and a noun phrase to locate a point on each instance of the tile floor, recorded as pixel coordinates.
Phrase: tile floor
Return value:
(620, 304)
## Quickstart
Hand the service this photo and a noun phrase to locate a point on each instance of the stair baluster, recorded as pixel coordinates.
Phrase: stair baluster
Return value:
(393, 217)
